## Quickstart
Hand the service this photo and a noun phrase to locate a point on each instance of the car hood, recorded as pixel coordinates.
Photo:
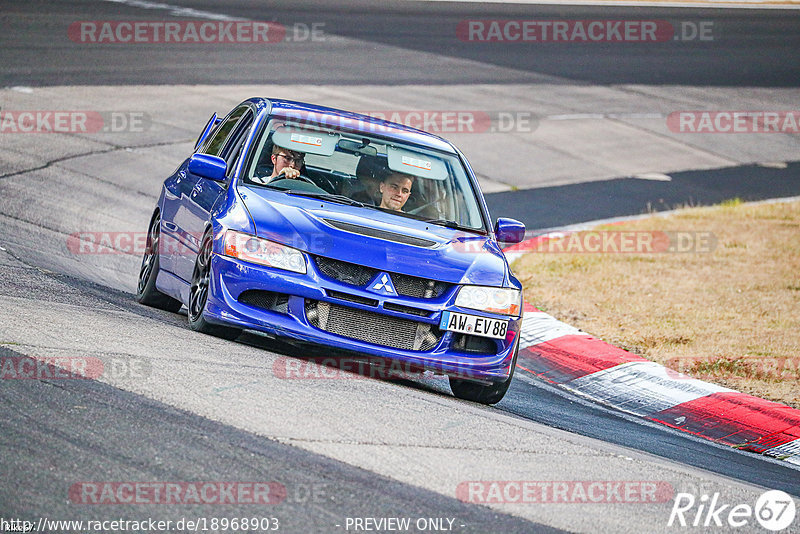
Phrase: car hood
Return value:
(376, 239)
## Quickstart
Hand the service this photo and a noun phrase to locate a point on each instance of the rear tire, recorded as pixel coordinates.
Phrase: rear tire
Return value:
(146, 292)
(198, 295)
(477, 392)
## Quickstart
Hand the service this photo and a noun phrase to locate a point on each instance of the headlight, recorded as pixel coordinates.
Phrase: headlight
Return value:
(264, 252)
(489, 299)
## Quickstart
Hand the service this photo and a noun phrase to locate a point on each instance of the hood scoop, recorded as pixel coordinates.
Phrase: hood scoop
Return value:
(380, 234)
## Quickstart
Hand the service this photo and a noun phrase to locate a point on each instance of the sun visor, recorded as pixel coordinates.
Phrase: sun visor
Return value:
(415, 163)
(308, 141)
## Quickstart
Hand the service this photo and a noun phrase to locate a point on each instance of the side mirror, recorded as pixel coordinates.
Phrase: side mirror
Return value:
(210, 167)
(509, 230)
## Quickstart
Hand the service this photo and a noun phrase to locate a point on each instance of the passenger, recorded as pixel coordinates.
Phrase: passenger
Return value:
(395, 190)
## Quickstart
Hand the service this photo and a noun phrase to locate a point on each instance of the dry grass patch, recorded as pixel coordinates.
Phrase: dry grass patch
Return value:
(730, 315)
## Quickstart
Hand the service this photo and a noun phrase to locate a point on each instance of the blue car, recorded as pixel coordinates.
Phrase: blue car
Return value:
(337, 229)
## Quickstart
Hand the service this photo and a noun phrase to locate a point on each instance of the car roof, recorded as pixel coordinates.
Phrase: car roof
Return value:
(353, 122)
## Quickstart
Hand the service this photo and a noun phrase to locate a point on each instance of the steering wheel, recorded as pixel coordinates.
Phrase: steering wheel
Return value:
(301, 177)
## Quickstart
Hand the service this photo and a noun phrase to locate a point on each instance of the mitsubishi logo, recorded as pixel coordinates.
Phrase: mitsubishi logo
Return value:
(382, 284)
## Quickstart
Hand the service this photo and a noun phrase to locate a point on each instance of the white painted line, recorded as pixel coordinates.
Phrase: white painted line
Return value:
(583, 400)
(177, 11)
(655, 176)
(773, 164)
(791, 449)
(539, 327)
(575, 117)
(588, 116)
(642, 388)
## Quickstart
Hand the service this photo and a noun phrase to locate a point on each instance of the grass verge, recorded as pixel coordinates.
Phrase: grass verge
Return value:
(712, 292)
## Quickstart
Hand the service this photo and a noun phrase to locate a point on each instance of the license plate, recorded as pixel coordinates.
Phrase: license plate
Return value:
(475, 325)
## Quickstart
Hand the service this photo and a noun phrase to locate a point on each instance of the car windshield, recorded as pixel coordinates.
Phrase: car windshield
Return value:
(366, 172)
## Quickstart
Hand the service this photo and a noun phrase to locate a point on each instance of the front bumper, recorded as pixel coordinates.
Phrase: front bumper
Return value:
(294, 313)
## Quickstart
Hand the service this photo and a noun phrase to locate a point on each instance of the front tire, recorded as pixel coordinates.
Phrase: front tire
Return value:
(198, 294)
(477, 392)
(146, 292)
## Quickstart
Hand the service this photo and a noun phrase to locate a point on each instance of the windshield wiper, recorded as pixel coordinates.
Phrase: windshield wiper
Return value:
(452, 224)
(339, 199)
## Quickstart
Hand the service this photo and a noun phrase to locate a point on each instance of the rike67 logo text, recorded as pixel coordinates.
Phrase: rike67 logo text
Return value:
(774, 510)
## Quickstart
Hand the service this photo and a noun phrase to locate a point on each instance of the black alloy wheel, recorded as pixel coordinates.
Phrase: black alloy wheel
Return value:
(146, 292)
(198, 294)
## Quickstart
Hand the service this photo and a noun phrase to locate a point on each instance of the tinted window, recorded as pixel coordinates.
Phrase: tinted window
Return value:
(237, 141)
(216, 143)
(404, 180)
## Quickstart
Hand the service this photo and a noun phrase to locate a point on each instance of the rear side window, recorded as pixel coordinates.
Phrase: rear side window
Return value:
(236, 142)
(216, 143)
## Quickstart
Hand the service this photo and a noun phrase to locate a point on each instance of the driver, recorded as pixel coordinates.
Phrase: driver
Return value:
(395, 190)
(285, 164)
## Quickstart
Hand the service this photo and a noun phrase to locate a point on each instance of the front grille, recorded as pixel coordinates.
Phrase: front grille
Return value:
(406, 309)
(421, 288)
(352, 298)
(266, 300)
(372, 327)
(359, 275)
(348, 273)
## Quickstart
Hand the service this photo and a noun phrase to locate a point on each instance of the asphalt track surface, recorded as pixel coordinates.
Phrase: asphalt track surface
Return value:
(55, 433)
(621, 197)
(743, 39)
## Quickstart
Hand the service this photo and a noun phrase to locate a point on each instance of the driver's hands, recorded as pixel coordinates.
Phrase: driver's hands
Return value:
(289, 172)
